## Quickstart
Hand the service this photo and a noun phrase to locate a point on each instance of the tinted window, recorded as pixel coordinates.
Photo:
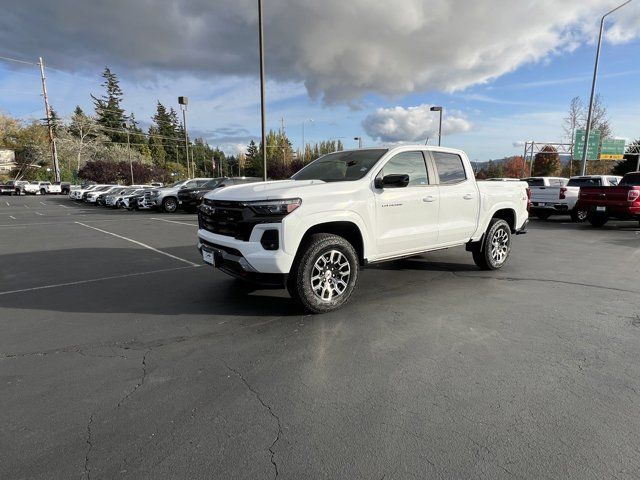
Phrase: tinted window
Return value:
(408, 163)
(613, 181)
(584, 182)
(534, 182)
(341, 166)
(450, 167)
(631, 179)
(212, 183)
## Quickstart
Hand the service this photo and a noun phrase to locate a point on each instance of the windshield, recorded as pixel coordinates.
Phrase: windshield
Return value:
(177, 184)
(584, 182)
(630, 180)
(341, 166)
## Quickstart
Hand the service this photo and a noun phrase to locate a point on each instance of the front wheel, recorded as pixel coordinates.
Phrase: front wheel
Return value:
(324, 274)
(169, 205)
(579, 215)
(492, 253)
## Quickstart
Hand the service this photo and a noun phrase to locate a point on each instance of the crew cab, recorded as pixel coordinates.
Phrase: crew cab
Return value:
(6, 188)
(190, 198)
(545, 192)
(348, 209)
(621, 202)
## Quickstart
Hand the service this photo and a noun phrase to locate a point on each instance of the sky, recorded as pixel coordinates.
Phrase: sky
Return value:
(503, 71)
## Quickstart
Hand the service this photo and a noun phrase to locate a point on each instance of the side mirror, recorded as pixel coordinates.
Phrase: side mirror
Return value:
(392, 181)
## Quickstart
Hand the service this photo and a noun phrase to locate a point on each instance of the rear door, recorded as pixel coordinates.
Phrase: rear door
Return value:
(459, 199)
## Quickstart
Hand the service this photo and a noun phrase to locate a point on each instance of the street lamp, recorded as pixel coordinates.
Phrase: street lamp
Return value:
(359, 139)
(438, 109)
(184, 101)
(593, 88)
(262, 91)
(304, 145)
(126, 127)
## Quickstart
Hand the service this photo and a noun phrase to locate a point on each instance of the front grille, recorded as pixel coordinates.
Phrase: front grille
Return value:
(231, 219)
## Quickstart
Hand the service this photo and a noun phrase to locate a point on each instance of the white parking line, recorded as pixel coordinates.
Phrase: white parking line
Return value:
(42, 203)
(174, 221)
(8, 204)
(27, 206)
(11, 216)
(63, 206)
(38, 213)
(92, 280)
(188, 262)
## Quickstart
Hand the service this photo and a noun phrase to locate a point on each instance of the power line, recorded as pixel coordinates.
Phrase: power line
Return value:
(19, 61)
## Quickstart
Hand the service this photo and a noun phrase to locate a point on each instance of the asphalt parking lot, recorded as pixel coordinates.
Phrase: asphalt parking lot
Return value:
(121, 356)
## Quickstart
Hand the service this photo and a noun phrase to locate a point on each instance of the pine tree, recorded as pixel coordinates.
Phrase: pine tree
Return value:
(110, 115)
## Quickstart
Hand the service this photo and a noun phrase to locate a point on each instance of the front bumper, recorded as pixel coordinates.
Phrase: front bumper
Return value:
(250, 255)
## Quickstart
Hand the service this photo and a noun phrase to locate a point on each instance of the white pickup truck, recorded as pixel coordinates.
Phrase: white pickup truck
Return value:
(37, 188)
(352, 208)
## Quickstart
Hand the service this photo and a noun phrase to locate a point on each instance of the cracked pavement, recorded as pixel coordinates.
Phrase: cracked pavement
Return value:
(433, 370)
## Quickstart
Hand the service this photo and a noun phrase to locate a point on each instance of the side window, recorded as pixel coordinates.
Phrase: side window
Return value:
(613, 181)
(408, 163)
(450, 168)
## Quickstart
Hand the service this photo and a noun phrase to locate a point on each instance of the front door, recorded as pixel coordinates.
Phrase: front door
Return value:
(406, 217)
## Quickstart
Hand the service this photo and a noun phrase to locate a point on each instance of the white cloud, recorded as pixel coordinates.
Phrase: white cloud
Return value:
(339, 50)
(412, 124)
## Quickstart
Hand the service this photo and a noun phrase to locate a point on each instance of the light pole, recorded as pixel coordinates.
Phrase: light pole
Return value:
(359, 139)
(126, 127)
(262, 91)
(593, 88)
(304, 145)
(184, 101)
(438, 109)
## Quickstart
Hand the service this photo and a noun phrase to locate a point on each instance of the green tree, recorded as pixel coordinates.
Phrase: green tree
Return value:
(547, 162)
(109, 113)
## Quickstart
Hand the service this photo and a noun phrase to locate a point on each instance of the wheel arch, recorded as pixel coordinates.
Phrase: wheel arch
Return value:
(508, 215)
(343, 228)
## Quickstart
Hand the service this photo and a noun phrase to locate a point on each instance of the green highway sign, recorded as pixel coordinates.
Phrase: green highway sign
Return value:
(593, 146)
(612, 149)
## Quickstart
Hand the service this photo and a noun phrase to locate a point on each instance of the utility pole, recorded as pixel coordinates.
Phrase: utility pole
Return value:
(126, 127)
(52, 140)
(262, 91)
(359, 139)
(593, 88)
(438, 109)
(184, 101)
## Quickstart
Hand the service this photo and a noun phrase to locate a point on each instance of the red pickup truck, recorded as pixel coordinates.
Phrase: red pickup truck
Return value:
(621, 202)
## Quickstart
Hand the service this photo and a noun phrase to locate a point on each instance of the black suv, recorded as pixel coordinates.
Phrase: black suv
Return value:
(190, 198)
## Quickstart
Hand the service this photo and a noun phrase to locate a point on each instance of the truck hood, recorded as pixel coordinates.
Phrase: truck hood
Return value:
(267, 190)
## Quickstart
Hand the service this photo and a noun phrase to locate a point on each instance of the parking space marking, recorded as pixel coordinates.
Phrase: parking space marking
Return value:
(174, 221)
(38, 213)
(93, 280)
(11, 216)
(188, 262)
(63, 206)
(42, 203)
(26, 206)
(8, 204)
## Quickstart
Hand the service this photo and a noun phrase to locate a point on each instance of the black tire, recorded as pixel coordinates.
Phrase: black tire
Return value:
(543, 214)
(169, 205)
(597, 220)
(579, 216)
(300, 284)
(494, 249)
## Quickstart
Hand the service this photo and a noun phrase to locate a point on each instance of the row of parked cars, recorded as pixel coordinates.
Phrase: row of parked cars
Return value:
(186, 194)
(594, 198)
(24, 187)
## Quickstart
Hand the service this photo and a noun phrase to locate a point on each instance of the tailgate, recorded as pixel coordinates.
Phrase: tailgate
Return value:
(604, 196)
(545, 194)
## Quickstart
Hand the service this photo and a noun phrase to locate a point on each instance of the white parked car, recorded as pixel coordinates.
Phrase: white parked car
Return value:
(37, 188)
(544, 194)
(166, 199)
(92, 196)
(348, 209)
(77, 193)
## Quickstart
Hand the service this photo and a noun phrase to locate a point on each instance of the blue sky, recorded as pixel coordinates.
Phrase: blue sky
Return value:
(487, 117)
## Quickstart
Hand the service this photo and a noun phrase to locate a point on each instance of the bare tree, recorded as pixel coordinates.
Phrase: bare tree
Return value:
(86, 133)
(600, 118)
(574, 118)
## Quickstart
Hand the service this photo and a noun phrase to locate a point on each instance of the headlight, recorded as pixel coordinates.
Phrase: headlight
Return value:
(274, 207)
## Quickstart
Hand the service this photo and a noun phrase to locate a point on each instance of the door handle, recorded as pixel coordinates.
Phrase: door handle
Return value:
(468, 196)
(429, 198)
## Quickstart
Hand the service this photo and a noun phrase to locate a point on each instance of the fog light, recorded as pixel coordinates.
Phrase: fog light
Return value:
(270, 240)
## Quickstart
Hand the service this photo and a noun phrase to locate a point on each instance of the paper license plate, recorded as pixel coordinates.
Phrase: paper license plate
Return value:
(208, 258)
(601, 209)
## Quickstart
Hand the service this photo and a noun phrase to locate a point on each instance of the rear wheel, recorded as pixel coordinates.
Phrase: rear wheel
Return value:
(324, 274)
(597, 220)
(169, 205)
(492, 253)
(543, 214)
(579, 215)
(43, 191)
